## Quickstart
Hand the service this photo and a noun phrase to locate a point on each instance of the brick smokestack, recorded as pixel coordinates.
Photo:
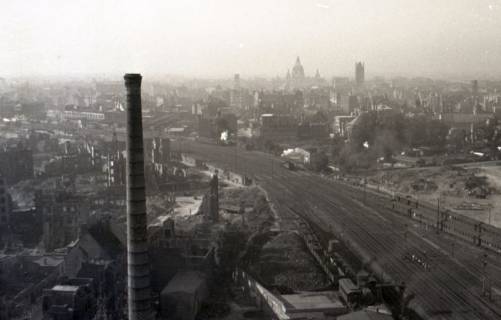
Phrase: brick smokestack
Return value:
(138, 266)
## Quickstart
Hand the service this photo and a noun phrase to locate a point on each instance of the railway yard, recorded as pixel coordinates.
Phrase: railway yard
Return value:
(450, 264)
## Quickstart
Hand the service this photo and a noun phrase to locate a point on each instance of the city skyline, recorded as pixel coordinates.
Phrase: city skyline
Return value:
(441, 39)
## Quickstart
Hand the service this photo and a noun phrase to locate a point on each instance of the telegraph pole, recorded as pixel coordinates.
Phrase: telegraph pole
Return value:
(438, 215)
(365, 188)
(271, 168)
(236, 158)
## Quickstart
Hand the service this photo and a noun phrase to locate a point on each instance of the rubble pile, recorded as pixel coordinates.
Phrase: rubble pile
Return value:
(446, 181)
(284, 262)
(278, 259)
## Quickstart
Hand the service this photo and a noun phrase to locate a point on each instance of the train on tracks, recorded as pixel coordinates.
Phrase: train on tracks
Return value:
(443, 220)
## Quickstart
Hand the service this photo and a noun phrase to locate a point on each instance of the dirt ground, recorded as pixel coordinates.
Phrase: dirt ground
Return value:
(472, 191)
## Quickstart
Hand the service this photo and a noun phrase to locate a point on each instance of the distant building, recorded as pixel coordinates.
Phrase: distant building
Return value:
(5, 205)
(72, 112)
(319, 98)
(115, 167)
(474, 88)
(277, 127)
(34, 110)
(340, 123)
(82, 115)
(341, 84)
(62, 215)
(297, 79)
(463, 120)
(297, 71)
(5, 214)
(26, 226)
(279, 102)
(342, 103)
(182, 298)
(74, 301)
(212, 127)
(315, 126)
(359, 73)
(186, 251)
(353, 104)
(236, 93)
(23, 278)
(210, 204)
(160, 152)
(16, 163)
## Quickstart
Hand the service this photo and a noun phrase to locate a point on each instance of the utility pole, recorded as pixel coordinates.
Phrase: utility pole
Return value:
(236, 158)
(486, 286)
(271, 168)
(365, 188)
(438, 215)
(138, 266)
(406, 231)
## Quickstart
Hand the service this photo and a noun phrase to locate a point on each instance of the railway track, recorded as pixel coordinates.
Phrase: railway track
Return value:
(450, 289)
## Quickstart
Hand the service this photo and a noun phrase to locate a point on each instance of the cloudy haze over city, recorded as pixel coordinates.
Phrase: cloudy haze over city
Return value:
(456, 38)
(250, 160)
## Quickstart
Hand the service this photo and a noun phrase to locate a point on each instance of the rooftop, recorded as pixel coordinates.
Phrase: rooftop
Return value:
(49, 261)
(188, 281)
(365, 315)
(66, 288)
(312, 301)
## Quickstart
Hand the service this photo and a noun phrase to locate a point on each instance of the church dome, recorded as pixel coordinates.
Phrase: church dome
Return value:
(297, 70)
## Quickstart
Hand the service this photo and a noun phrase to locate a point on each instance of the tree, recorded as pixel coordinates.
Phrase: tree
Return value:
(456, 139)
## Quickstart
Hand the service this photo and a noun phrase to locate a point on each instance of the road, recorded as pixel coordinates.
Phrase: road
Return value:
(448, 280)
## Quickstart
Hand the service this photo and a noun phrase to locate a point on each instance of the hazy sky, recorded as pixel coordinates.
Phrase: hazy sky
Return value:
(217, 38)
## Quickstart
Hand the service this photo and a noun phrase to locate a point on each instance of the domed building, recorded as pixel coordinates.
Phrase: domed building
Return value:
(297, 80)
(298, 70)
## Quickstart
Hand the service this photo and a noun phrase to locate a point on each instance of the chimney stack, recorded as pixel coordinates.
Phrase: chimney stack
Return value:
(138, 266)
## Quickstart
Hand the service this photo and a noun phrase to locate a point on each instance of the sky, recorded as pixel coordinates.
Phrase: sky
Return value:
(217, 38)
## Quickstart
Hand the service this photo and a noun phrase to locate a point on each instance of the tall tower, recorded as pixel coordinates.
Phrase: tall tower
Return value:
(138, 266)
(474, 88)
(236, 81)
(359, 73)
(236, 93)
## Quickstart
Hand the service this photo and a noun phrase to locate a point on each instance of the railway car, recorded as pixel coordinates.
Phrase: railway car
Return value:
(419, 258)
(349, 292)
(289, 165)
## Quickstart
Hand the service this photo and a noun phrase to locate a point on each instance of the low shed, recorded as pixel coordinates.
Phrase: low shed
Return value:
(183, 295)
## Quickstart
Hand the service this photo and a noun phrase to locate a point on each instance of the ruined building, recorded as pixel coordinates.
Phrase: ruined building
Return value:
(115, 167)
(210, 204)
(160, 156)
(5, 213)
(5, 204)
(160, 152)
(74, 299)
(62, 213)
(16, 163)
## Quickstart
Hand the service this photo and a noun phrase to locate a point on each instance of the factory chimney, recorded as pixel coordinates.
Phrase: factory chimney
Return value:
(138, 266)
